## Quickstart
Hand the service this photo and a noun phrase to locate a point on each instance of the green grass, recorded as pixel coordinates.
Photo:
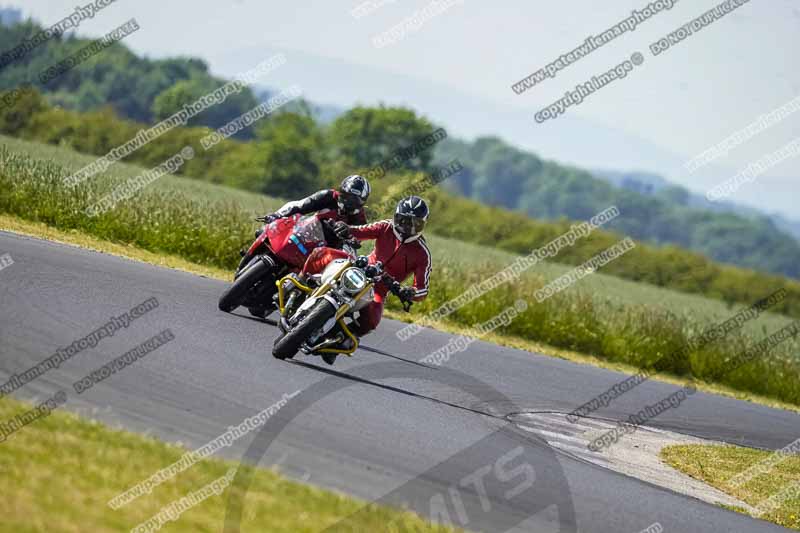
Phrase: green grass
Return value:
(609, 291)
(613, 319)
(60, 471)
(717, 465)
(203, 191)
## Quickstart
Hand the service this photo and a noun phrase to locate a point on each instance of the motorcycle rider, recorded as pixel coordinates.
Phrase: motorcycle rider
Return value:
(345, 205)
(335, 208)
(400, 247)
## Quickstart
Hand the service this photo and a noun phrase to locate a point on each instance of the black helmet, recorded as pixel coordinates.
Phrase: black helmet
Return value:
(410, 217)
(353, 193)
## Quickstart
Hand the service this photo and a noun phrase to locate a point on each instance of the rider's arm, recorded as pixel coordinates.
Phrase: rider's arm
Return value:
(422, 272)
(372, 231)
(324, 199)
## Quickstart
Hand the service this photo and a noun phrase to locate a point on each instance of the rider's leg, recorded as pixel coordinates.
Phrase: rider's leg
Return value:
(369, 317)
(319, 258)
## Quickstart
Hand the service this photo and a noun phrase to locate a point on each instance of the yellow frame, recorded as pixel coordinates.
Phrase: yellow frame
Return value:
(340, 313)
(296, 283)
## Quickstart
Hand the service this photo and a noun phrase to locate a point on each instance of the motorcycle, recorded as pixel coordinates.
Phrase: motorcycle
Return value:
(281, 247)
(317, 326)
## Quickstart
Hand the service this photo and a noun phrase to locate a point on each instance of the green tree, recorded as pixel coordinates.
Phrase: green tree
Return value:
(186, 92)
(17, 109)
(291, 146)
(368, 136)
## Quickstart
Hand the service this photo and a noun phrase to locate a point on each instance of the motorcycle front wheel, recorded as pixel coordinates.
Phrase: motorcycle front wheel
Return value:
(288, 344)
(233, 297)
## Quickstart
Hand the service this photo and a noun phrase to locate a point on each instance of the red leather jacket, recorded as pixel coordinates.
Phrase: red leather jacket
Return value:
(400, 259)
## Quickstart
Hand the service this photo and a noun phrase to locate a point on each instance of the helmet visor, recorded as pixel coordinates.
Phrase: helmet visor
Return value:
(350, 201)
(408, 225)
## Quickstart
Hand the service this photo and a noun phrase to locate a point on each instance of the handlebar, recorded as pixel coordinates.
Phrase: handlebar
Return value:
(376, 272)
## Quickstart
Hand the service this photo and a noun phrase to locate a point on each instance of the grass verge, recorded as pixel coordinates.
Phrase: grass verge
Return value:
(60, 471)
(718, 466)
(76, 238)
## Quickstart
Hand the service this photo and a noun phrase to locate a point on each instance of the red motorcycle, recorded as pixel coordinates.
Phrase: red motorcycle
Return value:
(281, 246)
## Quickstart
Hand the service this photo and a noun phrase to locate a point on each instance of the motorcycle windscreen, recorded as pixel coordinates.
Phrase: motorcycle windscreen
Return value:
(294, 238)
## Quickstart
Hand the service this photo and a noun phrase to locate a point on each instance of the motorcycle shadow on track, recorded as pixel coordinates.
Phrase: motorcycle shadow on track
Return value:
(364, 381)
(387, 354)
(269, 321)
(378, 351)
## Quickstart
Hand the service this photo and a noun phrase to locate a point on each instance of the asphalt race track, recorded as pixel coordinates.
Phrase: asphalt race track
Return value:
(378, 425)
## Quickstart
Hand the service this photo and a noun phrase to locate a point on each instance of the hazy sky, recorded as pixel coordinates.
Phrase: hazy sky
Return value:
(671, 108)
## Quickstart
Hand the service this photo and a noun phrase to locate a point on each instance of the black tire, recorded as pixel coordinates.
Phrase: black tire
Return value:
(242, 266)
(236, 293)
(287, 345)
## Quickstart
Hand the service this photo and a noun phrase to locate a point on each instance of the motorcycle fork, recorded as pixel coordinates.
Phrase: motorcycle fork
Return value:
(340, 320)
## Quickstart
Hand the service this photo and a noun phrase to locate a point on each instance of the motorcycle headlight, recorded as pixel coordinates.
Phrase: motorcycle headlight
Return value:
(353, 280)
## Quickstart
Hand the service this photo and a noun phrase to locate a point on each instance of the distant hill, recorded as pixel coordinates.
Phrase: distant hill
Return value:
(650, 184)
(653, 210)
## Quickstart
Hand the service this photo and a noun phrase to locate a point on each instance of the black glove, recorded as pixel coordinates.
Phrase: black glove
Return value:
(406, 294)
(341, 230)
(271, 217)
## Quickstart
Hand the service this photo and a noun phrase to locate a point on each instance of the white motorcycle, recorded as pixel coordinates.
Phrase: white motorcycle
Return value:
(317, 325)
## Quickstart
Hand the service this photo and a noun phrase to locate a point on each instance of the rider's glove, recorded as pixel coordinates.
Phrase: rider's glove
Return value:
(272, 217)
(406, 294)
(341, 230)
